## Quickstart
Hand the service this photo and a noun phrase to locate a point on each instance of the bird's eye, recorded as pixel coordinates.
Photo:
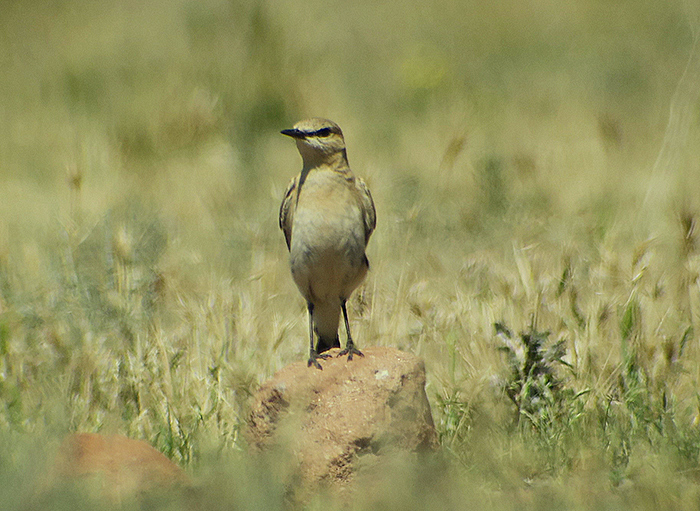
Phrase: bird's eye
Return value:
(323, 132)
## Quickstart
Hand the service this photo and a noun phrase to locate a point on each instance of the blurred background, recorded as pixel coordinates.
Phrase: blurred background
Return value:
(535, 162)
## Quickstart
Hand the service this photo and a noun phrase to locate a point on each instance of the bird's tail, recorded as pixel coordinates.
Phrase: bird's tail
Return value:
(326, 318)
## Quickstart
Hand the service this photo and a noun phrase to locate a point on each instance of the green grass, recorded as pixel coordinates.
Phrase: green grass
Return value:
(511, 152)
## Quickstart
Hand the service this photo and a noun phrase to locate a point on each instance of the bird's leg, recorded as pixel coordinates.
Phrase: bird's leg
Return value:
(313, 355)
(350, 348)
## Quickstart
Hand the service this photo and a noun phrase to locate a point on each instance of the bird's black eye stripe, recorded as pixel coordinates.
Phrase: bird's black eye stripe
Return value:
(323, 132)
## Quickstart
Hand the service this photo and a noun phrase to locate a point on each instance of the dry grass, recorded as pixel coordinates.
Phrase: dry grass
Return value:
(144, 286)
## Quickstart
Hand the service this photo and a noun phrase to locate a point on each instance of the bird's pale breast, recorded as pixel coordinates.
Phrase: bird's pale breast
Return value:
(327, 250)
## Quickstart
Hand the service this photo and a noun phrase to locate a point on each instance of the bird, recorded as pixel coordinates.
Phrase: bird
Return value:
(327, 216)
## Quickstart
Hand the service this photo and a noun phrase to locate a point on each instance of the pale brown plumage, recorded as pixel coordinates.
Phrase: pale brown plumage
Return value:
(327, 216)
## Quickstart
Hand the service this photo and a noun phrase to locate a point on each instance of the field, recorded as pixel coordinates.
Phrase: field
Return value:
(534, 164)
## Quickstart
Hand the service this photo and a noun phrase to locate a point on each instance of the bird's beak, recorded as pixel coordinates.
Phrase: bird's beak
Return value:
(294, 133)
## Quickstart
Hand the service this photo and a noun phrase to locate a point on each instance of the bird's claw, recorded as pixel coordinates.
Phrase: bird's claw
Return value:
(350, 351)
(314, 362)
(313, 359)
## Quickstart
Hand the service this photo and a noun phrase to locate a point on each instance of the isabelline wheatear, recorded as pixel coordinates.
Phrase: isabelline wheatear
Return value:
(327, 216)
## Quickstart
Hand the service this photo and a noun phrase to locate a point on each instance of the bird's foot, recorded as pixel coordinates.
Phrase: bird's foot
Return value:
(350, 350)
(313, 359)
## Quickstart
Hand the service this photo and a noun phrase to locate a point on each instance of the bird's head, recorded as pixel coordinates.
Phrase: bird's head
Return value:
(318, 140)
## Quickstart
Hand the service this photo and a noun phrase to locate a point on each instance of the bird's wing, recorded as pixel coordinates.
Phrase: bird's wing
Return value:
(369, 214)
(287, 211)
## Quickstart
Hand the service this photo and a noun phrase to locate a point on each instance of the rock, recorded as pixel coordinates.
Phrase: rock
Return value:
(113, 468)
(350, 410)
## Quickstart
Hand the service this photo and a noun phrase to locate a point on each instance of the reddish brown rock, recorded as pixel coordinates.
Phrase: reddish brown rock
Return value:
(113, 468)
(330, 419)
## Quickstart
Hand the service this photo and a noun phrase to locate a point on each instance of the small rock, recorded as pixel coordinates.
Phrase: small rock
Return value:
(112, 468)
(354, 409)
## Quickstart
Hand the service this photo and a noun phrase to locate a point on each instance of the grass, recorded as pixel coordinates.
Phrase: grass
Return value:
(521, 175)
